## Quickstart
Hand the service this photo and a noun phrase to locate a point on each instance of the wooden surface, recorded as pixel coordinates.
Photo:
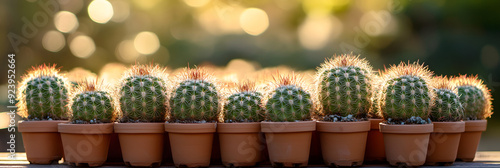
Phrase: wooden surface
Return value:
(483, 159)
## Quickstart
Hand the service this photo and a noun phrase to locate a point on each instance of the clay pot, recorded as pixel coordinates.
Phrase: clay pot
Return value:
(191, 143)
(375, 150)
(469, 140)
(443, 143)
(85, 144)
(343, 143)
(406, 145)
(41, 141)
(288, 143)
(141, 143)
(240, 143)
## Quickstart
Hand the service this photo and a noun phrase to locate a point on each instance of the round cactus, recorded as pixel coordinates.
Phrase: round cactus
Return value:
(289, 101)
(474, 96)
(142, 94)
(43, 94)
(91, 103)
(195, 98)
(244, 105)
(406, 93)
(374, 110)
(345, 86)
(447, 106)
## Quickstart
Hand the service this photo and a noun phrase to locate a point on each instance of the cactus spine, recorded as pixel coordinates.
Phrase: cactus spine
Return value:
(289, 101)
(447, 106)
(43, 94)
(143, 94)
(244, 105)
(345, 86)
(474, 96)
(195, 98)
(92, 103)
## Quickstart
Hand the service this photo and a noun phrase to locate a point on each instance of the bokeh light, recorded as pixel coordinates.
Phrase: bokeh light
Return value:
(121, 10)
(196, 3)
(100, 11)
(82, 46)
(146, 43)
(111, 73)
(74, 6)
(254, 21)
(316, 31)
(125, 51)
(80, 74)
(53, 41)
(65, 21)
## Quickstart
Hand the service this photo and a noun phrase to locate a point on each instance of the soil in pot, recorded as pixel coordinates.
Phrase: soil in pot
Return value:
(240, 144)
(288, 143)
(406, 145)
(85, 144)
(343, 143)
(469, 140)
(42, 141)
(443, 143)
(141, 143)
(191, 143)
(375, 150)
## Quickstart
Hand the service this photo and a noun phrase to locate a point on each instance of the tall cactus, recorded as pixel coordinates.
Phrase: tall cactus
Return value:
(289, 101)
(92, 103)
(447, 106)
(143, 94)
(345, 86)
(474, 96)
(406, 93)
(244, 104)
(43, 94)
(195, 97)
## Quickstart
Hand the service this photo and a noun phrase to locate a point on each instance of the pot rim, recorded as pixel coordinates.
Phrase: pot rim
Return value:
(138, 128)
(374, 123)
(104, 128)
(343, 127)
(246, 127)
(40, 126)
(285, 127)
(475, 125)
(449, 127)
(190, 128)
(406, 129)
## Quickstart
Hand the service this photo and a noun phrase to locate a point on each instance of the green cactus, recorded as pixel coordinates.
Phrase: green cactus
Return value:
(288, 102)
(92, 105)
(474, 96)
(243, 106)
(447, 106)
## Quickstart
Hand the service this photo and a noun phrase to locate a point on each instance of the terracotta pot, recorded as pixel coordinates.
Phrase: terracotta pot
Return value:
(191, 143)
(240, 144)
(288, 143)
(375, 150)
(343, 143)
(443, 143)
(469, 140)
(85, 144)
(41, 141)
(406, 145)
(141, 143)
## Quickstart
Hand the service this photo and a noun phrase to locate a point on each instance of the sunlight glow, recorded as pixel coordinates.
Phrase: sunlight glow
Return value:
(65, 21)
(53, 41)
(100, 11)
(254, 21)
(82, 46)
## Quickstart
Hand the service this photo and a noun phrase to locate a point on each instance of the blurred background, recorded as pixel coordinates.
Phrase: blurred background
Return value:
(234, 37)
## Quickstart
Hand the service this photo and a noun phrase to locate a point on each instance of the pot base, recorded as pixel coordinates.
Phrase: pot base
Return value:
(438, 163)
(345, 164)
(85, 164)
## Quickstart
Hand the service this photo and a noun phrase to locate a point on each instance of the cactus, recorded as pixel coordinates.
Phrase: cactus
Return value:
(447, 106)
(345, 86)
(474, 96)
(43, 94)
(143, 94)
(244, 105)
(91, 103)
(289, 101)
(195, 98)
(406, 93)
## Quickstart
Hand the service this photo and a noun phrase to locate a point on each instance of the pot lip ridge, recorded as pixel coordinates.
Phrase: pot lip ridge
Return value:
(190, 128)
(104, 128)
(374, 123)
(40, 126)
(138, 128)
(475, 125)
(449, 127)
(406, 129)
(287, 127)
(343, 127)
(240, 127)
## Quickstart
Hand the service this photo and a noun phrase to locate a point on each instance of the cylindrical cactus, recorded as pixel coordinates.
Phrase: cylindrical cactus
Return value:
(143, 94)
(406, 95)
(43, 94)
(447, 106)
(244, 104)
(345, 86)
(91, 103)
(195, 97)
(289, 101)
(474, 96)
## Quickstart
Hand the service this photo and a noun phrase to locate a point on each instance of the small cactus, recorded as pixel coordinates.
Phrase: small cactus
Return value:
(143, 94)
(474, 96)
(406, 93)
(91, 103)
(289, 101)
(43, 94)
(195, 97)
(244, 105)
(345, 86)
(447, 106)
(374, 110)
